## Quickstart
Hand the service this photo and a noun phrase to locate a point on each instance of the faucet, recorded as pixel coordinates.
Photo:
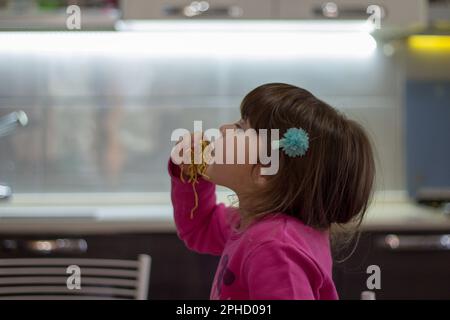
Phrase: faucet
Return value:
(5, 192)
(7, 125)
(11, 121)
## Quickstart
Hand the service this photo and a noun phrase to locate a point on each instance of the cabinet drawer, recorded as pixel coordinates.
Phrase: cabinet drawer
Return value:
(400, 13)
(182, 9)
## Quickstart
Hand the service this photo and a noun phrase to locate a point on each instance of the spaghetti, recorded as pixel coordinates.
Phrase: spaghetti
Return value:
(194, 172)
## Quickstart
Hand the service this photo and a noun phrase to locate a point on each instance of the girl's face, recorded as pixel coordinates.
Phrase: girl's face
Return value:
(237, 176)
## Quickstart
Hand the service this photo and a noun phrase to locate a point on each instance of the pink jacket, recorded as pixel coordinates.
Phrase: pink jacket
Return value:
(277, 257)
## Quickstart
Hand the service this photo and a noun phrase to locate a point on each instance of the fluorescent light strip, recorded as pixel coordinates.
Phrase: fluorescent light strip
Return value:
(270, 40)
(246, 25)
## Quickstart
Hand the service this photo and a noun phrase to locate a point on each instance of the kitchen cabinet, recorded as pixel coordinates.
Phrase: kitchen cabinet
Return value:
(176, 272)
(412, 264)
(401, 13)
(183, 9)
(416, 268)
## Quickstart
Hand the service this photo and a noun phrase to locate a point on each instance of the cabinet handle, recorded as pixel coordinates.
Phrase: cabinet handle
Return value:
(71, 246)
(330, 10)
(395, 242)
(203, 8)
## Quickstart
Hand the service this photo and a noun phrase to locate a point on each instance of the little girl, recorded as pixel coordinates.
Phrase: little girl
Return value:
(276, 244)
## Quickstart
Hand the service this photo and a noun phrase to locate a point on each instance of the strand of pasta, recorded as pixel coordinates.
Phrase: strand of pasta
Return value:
(195, 171)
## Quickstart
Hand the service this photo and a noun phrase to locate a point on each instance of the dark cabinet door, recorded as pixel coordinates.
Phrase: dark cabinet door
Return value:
(176, 272)
(413, 265)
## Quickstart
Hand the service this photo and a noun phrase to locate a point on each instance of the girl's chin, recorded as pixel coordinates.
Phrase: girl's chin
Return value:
(211, 176)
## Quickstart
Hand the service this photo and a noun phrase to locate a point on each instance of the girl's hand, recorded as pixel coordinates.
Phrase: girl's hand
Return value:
(187, 142)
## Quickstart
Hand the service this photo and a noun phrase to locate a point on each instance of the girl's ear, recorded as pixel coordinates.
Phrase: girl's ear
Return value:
(258, 179)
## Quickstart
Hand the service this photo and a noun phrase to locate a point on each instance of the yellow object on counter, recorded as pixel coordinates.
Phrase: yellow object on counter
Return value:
(429, 43)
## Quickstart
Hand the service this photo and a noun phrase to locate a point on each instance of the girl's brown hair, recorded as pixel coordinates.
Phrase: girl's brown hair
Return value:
(332, 182)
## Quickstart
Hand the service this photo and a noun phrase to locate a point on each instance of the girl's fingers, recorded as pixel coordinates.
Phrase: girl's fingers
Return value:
(183, 155)
(181, 151)
(197, 138)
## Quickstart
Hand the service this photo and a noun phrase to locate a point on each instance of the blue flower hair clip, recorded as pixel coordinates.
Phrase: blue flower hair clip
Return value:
(294, 143)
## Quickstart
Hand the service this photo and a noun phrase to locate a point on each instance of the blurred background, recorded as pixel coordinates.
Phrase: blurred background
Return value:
(89, 105)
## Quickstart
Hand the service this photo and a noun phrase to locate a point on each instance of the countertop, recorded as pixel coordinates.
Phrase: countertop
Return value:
(144, 213)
